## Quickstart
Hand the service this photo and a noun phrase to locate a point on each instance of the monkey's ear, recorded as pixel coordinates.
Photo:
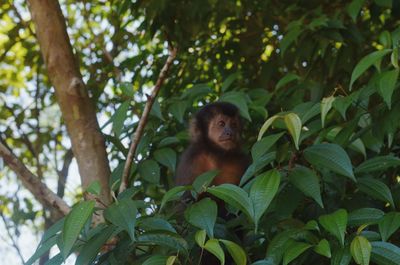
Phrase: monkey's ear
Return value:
(194, 131)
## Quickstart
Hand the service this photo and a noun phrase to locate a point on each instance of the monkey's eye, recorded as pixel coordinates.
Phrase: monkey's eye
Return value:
(221, 123)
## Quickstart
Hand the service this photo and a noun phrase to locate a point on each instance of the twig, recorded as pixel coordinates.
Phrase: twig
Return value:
(13, 242)
(143, 120)
(30, 181)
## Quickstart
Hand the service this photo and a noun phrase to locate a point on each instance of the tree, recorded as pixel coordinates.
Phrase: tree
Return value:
(316, 81)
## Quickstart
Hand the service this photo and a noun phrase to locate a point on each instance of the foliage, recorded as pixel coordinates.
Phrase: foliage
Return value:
(316, 83)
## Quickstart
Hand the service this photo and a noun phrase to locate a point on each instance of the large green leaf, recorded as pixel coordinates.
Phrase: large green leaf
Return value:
(376, 189)
(119, 118)
(214, 247)
(91, 248)
(266, 125)
(263, 191)
(228, 81)
(354, 8)
(323, 248)
(173, 194)
(293, 124)
(330, 156)
(360, 249)
(203, 215)
(156, 260)
(149, 170)
(293, 250)
(307, 182)
(385, 253)
(335, 223)
(235, 196)
(365, 63)
(286, 80)
(387, 84)
(378, 163)
(164, 238)
(263, 145)
(166, 157)
(365, 216)
(341, 256)
(239, 100)
(201, 182)
(237, 253)
(123, 214)
(177, 109)
(74, 223)
(151, 223)
(389, 224)
(326, 105)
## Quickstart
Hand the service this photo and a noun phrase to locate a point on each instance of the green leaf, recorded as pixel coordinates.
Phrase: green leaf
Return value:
(386, 85)
(385, 253)
(127, 89)
(156, 260)
(177, 109)
(354, 8)
(378, 163)
(330, 156)
(376, 189)
(42, 249)
(228, 81)
(365, 216)
(263, 145)
(263, 191)
(286, 80)
(310, 113)
(323, 248)
(235, 196)
(94, 188)
(123, 214)
(326, 105)
(293, 123)
(203, 215)
(335, 224)
(341, 256)
(202, 182)
(166, 157)
(256, 166)
(149, 170)
(119, 118)
(91, 248)
(341, 104)
(171, 260)
(360, 249)
(173, 194)
(289, 38)
(365, 63)
(237, 253)
(307, 182)
(200, 238)
(239, 100)
(197, 91)
(389, 224)
(293, 250)
(74, 223)
(168, 141)
(155, 224)
(266, 125)
(166, 239)
(394, 57)
(214, 248)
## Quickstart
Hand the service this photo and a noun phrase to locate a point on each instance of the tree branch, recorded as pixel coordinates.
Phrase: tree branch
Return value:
(39, 190)
(143, 120)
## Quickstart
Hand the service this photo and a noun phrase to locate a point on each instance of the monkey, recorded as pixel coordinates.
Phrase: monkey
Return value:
(215, 144)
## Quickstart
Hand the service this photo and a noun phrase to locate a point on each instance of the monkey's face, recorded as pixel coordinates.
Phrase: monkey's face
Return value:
(224, 131)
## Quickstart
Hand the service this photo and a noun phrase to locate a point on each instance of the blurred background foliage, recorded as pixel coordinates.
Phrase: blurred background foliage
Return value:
(266, 56)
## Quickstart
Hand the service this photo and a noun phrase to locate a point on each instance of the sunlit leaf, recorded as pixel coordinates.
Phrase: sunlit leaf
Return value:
(293, 123)
(214, 247)
(360, 249)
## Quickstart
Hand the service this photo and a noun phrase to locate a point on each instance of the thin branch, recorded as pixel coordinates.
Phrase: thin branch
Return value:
(41, 192)
(13, 242)
(143, 120)
(63, 173)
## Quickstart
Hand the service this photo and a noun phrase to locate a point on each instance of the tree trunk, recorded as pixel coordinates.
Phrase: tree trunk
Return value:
(77, 108)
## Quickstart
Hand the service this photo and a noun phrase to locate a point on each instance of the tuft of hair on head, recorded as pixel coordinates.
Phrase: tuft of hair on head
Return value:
(198, 125)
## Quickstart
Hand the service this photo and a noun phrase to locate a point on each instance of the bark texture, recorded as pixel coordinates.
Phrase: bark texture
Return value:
(77, 108)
